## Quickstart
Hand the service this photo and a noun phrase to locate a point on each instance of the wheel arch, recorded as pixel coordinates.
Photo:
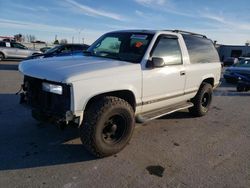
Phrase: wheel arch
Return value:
(208, 80)
(126, 95)
(3, 54)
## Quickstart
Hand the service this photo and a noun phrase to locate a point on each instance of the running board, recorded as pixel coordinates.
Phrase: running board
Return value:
(148, 116)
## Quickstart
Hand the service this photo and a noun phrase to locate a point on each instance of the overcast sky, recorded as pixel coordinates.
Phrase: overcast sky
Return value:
(227, 21)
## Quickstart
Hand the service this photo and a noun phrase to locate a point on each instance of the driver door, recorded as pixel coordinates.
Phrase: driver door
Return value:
(164, 85)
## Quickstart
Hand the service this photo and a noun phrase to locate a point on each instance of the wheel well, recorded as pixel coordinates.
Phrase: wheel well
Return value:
(123, 94)
(3, 54)
(209, 81)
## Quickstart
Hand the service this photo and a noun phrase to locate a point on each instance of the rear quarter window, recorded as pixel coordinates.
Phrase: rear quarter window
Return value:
(201, 50)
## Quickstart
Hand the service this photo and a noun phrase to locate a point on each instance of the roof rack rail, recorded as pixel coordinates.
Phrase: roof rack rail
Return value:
(187, 32)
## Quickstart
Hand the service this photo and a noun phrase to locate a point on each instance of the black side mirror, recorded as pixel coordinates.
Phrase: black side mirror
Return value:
(157, 62)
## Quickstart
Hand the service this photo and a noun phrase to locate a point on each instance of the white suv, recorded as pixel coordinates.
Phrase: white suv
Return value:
(124, 76)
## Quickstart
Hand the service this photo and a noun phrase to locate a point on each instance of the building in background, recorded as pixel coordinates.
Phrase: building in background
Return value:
(226, 51)
(6, 38)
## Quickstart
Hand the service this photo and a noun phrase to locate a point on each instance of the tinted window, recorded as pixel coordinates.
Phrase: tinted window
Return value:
(201, 50)
(243, 63)
(2, 44)
(77, 48)
(17, 45)
(168, 49)
(65, 49)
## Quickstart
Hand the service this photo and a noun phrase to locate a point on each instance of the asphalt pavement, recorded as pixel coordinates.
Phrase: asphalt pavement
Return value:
(174, 151)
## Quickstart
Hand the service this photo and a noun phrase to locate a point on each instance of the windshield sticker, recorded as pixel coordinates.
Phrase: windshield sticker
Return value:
(7, 44)
(138, 44)
(143, 37)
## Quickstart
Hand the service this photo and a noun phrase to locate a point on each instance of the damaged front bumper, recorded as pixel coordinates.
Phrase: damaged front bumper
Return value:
(48, 106)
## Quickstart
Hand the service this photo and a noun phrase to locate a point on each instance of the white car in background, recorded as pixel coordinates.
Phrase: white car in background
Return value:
(15, 50)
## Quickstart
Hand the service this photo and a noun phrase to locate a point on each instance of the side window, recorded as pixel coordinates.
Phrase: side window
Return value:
(65, 49)
(77, 48)
(168, 48)
(2, 44)
(16, 45)
(201, 50)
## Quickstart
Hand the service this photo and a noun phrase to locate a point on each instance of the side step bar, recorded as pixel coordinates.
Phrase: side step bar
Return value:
(148, 116)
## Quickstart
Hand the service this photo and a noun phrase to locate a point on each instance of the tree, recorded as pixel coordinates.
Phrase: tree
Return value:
(30, 38)
(18, 37)
(56, 41)
(247, 43)
(63, 41)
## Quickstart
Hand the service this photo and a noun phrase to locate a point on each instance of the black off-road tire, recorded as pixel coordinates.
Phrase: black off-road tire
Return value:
(1, 56)
(202, 100)
(107, 126)
(240, 88)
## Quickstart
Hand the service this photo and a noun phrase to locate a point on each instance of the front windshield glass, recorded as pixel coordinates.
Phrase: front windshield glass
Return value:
(52, 50)
(121, 46)
(243, 63)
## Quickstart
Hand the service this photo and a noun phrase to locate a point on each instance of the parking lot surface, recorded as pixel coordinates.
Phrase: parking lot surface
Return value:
(174, 151)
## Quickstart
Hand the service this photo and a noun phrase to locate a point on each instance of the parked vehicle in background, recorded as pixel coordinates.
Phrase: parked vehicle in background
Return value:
(243, 83)
(124, 76)
(15, 50)
(231, 74)
(230, 61)
(62, 50)
(45, 49)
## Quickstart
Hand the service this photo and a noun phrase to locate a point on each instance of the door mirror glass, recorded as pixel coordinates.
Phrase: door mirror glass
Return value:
(158, 62)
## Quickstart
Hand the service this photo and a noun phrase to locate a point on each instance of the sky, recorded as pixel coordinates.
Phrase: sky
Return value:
(226, 21)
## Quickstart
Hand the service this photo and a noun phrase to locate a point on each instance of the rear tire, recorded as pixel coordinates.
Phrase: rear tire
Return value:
(240, 88)
(107, 126)
(202, 100)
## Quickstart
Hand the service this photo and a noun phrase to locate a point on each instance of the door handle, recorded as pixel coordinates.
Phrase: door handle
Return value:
(182, 73)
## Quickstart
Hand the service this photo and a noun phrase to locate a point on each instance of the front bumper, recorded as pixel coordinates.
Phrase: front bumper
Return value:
(230, 77)
(49, 106)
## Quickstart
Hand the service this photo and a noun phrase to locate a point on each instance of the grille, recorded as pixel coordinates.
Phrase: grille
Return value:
(46, 102)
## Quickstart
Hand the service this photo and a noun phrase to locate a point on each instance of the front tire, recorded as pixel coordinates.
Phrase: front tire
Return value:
(107, 126)
(1, 57)
(202, 100)
(240, 87)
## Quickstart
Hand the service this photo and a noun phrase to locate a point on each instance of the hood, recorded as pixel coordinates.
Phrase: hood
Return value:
(239, 69)
(35, 56)
(72, 68)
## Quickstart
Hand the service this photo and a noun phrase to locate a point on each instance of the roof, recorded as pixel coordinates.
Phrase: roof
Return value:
(154, 31)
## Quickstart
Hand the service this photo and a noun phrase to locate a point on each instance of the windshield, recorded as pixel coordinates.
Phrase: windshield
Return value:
(243, 63)
(52, 50)
(121, 46)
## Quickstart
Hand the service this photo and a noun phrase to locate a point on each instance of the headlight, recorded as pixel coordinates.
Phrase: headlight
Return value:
(52, 88)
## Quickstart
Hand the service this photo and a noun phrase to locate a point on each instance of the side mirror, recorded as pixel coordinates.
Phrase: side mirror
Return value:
(157, 62)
